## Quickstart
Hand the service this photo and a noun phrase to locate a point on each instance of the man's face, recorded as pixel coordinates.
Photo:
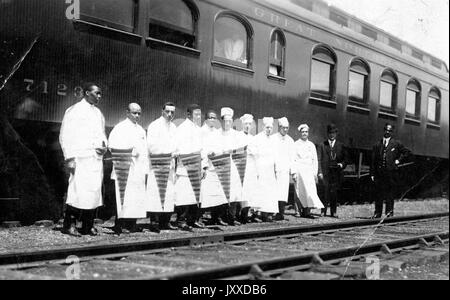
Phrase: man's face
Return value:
(268, 129)
(332, 135)
(134, 114)
(196, 117)
(211, 119)
(283, 130)
(168, 113)
(304, 133)
(94, 95)
(388, 131)
(247, 126)
(227, 123)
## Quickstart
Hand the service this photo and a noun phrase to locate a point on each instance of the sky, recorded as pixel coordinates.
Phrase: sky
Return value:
(422, 23)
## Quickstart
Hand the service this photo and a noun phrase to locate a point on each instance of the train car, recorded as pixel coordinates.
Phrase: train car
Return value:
(298, 59)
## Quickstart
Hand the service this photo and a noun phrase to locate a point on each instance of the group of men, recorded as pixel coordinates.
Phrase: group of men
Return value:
(193, 168)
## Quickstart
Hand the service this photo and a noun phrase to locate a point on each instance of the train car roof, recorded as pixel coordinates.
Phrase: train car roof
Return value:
(291, 9)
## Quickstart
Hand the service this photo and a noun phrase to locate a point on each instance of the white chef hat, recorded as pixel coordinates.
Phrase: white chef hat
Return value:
(226, 111)
(283, 122)
(268, 121)
(303, 126)
(247, 118)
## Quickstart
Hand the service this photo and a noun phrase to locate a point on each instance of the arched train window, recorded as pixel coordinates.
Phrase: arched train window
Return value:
(277, 53)
(358, 83)
(413, 95)
(232, 40)
(388, 91)
(173, 21)
(434, 106)
(323, 73)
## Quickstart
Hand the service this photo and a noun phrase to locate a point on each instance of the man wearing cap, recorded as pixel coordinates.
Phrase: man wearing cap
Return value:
(387, 155)
(212, 195)
(188, 141)
(161, 141)
(333, 159)
(265, 153)
(230, 141)
(128, 134)
(285, 149)
(250, 186)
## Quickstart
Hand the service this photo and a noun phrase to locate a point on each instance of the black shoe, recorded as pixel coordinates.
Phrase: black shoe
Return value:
(154, 228)
(185, 227)
(310, 217)
(92, 232)
(71, 231)
(335, 216)
(237, 223)
(198, 225)
(168, 226)
(375, 216)
(117, 230)
(220, 222)
(255, 219)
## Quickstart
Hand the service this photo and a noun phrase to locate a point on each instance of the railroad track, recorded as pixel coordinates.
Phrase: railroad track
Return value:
(262, 254)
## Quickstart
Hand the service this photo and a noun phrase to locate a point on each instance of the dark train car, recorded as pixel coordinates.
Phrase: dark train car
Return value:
(300, 59)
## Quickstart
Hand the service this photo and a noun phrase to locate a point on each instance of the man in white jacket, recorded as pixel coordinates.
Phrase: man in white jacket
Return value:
(285, 150)
(83, 141)
(128, 134)
(161, 141)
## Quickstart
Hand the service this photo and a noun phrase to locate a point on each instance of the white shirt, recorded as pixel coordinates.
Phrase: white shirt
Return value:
(82, 130)
(386, 141)
(331, 143)
(161, 136)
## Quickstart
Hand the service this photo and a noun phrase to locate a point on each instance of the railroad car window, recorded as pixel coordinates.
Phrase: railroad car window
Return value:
(417, 54)
(369, 32)
(388, 92)
(323, 69)
(173, 21)
(413, 99)
(232, 41)
(358, 85)
(277, 53)
(341, 20)
(118, 14)
(434, 106)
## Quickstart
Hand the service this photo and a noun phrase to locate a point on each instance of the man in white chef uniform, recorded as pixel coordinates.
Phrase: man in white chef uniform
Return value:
(212, 193)
(128, 134)
(285, 150)
(230, 140)
(161, 139)
(250, 194)
(265, 151)
(83, 142)
(188, 141)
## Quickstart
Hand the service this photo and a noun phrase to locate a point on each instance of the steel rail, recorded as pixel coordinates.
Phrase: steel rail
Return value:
(132, 247)
(298, 261)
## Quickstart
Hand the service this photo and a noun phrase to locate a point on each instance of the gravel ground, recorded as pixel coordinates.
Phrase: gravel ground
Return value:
(430, 271)
(33, 238)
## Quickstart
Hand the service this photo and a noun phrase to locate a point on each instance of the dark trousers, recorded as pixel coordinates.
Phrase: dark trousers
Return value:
(86, 216)
(218, 212)
(162, 219)
(332, 186)
(71, 215)
(386, 184)
(188, 214)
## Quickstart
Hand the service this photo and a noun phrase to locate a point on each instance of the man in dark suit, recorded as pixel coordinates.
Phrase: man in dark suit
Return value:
(387, 155)
(333, 158)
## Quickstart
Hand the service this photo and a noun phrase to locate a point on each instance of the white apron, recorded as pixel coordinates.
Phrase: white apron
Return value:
(306, 168)
(267, 182)
(127, 135)
(161, 139)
